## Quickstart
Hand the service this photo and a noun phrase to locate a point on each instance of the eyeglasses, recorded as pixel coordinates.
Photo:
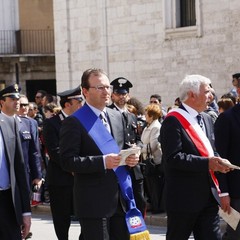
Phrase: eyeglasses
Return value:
(24, 104)
(101, 88)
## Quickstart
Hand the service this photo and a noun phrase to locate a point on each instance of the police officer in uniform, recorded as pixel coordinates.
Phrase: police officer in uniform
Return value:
(30, 144)
(30, 149)
(31, 154)
(15, 212)
(120, 97)
(60, 182)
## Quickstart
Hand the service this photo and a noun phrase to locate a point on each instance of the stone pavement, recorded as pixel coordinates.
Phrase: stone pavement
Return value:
(42, 229)
(158, 220)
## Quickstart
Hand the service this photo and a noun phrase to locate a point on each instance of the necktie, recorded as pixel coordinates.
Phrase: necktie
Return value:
(104, 121)
(200, 121)
(125, 116)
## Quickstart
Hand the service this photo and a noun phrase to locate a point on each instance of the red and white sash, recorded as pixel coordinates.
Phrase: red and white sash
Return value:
(196, 134)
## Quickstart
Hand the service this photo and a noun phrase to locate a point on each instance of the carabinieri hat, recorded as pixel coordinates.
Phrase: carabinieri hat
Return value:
(121, 85)
(12, 91)
(72, 94)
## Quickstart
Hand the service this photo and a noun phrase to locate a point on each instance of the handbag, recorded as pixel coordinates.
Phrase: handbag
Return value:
(150, 166)
(154, 182)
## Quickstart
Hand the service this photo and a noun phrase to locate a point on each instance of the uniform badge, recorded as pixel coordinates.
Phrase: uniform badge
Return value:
(16, 87)
(121, 82)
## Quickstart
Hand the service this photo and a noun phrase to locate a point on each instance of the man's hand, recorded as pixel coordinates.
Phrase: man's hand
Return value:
(112, 161)
(132, 160)
(225, 204)
(216, 164)
(37, 182)
(26, 226)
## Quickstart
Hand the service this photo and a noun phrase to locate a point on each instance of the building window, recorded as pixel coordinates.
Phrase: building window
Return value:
(182, 18)
(187, 13)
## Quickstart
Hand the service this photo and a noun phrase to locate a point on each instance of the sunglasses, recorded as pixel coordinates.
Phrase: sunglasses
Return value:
(24, 104)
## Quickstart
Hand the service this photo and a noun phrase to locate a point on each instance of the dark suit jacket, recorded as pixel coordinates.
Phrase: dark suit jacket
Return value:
(13, 151)
(55, 174)
(227, 134)
(188, 180)
(96, 191)
(30, 148)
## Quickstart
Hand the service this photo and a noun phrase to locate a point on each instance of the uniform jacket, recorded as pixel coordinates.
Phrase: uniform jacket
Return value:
(30, 148)
(130, 121)
(34, 126)
(131, 136)
(188, 182)
(55, 174)
(96, 190)
(14, 156)
(227, 133)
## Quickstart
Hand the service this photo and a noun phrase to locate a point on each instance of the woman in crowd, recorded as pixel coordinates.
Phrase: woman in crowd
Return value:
(50, 110)
(151, 146)
(136, 107)
(224, 104)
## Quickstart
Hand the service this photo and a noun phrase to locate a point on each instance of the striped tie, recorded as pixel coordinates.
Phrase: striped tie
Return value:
(103, 118)
(200, 121)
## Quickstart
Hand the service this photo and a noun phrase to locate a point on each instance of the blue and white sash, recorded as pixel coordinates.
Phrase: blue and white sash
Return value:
(107, 145)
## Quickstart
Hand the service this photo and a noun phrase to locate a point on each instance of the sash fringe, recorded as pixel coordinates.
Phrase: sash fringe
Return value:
(140, 236)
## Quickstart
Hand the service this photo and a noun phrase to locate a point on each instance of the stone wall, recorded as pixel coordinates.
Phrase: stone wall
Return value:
(127, 38)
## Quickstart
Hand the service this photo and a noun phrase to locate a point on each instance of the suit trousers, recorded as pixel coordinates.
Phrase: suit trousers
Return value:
(104, 228)
(61, 203)
(112, 228)
(204, 224)
(9, 228)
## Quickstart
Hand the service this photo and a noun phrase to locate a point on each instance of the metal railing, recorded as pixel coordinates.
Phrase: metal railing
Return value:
(26, 42)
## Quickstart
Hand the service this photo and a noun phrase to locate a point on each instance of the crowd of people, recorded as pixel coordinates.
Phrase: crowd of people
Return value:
(67, 148)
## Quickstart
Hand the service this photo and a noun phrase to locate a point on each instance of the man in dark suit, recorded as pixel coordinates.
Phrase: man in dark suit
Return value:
(85, 150)
(120, 96)
(40, 94)
(60, 182)
(227, 132)
(15, 212)
(189, 161)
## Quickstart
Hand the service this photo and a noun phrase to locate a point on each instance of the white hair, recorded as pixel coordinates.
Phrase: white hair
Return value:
(192, 83)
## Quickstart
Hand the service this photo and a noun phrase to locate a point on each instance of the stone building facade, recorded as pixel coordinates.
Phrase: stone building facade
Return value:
(27, 45)
(142, 41)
